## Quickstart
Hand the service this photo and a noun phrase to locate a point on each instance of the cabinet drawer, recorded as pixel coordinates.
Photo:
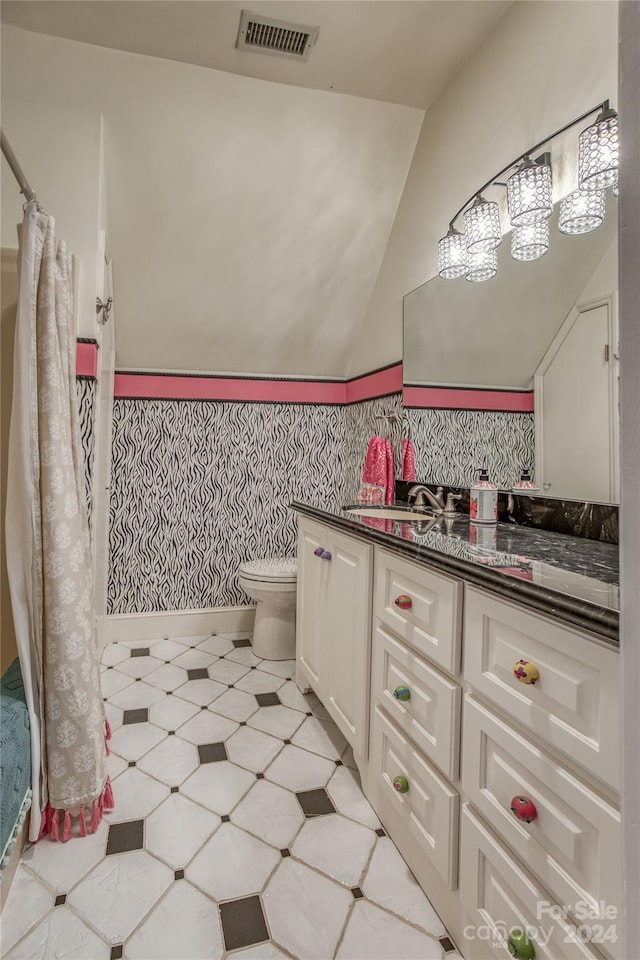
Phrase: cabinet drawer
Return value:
(573, 845)
(431, 623)
(431, 715)
(574, 705)
(424, 819)
(500, 896)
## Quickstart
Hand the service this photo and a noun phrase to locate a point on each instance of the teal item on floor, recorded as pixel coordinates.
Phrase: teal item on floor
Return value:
(15, 757)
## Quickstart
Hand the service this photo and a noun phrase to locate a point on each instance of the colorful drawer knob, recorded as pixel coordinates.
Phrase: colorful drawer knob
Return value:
(526, 672)
(402, 693)
(318, 551)
(403, 601)
(401, 784)
(524, 809)
(520, 946)
(325, 555)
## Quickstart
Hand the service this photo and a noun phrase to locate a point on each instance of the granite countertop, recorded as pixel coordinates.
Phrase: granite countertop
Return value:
(568, 578)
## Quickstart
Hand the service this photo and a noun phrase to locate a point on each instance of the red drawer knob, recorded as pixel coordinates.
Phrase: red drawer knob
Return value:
(524, 809)
(403, 601)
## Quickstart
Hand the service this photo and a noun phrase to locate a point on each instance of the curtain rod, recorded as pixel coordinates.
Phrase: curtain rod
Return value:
(16, 169)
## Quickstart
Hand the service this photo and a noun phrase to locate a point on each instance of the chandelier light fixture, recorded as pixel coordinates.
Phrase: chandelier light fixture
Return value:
(582, 211)
(529, 186)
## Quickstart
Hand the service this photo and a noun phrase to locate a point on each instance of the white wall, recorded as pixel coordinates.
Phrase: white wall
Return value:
(543, 64)
(59, 149)
(247, 219)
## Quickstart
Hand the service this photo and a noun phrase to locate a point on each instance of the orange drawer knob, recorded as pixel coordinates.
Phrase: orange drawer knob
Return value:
(524, 809)
(526, 672)
(403, 601)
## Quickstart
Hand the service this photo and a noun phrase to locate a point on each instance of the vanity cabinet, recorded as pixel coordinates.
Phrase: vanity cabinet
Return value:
(333, 626)
(455, 736)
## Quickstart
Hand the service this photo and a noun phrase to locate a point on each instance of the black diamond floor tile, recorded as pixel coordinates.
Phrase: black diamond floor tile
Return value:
(178, 875)
(243, 923)
(268, 699)
(140, 652)
(446, 944)
(315, 803)
(198, 673)
(60, 899)
(212, 752)
(380, 832)
(357, 893)
(125, 836)
(136, 716)
(116, 952)
(241, 643)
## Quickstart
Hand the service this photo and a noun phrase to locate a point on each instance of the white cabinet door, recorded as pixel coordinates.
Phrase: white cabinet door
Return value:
(312, 604)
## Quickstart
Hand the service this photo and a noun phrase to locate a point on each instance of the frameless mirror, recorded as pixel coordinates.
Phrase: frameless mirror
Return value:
(541, 336)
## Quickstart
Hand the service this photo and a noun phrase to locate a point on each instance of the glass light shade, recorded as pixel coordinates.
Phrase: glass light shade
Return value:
(530, 242)
(615, 187)
(482, 226)
(529, 193)
(598, 153)
(581, 211)
(452, 256)
(482, 266)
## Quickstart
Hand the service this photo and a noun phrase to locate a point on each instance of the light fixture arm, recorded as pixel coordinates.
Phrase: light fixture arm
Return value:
(495, 179)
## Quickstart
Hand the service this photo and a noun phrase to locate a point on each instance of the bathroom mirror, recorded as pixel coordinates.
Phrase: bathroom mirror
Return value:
(520, 371)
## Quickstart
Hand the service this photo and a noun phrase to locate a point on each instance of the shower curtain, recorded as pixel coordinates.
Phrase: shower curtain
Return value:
(48, 549)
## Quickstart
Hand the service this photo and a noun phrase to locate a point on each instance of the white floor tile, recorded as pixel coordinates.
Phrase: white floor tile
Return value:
(291, 697)
(299, 770)
(271, 813)
(338, 847)
(176, 830)
(113, 715)
(226, 671)
(192, 641)
(306, 912)
(166, 650)
(232, 864)
(133, 740)
(236, 705)
(218, 646)
(202, 692)
(244, 655)
(257, 682)
(345, 791)
(115, 765)
(171, 712)
(60, 934)
(320, 737)
(207, 727)
(390, 883)
(168, 677)
(62, 866)
(279, 721)
(279, 668)
(239, 635)
(118, 893)
(113, 653)
(171, 761)
(136, 644)
(218, 786)
(373, 934)
(262, 951)
(197, 935)
(112, 681)
(139, 666)
(27, 903)
(139, 694)
(348, 758)
(252, 749)
(135, 795)
(194, 659)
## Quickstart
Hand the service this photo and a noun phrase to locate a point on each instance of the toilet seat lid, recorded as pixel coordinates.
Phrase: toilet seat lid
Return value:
(274, 568)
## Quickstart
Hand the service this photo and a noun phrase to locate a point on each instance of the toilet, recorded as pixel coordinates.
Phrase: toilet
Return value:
(272, 584)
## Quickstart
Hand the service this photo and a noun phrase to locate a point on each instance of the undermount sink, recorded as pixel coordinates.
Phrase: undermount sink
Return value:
(390, 513)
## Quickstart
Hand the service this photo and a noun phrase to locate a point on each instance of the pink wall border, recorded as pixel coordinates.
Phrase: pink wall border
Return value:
(86, 359)
(258, 390)
(458, 398)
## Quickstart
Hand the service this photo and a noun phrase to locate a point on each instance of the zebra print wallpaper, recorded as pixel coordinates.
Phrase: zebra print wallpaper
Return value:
(200, 486)
(451, 445)
(86, 392)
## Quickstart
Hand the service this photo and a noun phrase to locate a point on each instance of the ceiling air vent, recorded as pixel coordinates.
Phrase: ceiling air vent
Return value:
(279, 37)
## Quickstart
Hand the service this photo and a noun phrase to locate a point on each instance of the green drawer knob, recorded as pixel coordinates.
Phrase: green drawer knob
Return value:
(520, 946)
(401, 784)
(402, 693)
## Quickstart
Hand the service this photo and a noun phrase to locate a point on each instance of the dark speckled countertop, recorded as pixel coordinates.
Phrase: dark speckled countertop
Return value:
(568, 578)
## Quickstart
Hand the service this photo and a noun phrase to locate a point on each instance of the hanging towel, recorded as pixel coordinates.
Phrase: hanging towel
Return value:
(408, 460)
(378, 466)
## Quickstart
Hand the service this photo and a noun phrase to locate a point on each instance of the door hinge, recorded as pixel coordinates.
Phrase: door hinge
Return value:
(606, 353)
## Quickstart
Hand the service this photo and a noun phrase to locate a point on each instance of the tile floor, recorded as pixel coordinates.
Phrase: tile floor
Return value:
(240, 828)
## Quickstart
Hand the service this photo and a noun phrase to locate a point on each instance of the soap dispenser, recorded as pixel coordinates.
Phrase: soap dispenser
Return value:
(484, 500)
(525, 484)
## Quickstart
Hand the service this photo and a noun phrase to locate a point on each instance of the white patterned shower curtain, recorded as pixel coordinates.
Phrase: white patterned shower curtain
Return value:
(48, 549)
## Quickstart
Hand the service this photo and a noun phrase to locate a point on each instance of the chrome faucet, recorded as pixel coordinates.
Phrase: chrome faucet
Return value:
(419, 494)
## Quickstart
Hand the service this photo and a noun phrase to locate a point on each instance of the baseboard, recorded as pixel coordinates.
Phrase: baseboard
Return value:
(174, 623)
